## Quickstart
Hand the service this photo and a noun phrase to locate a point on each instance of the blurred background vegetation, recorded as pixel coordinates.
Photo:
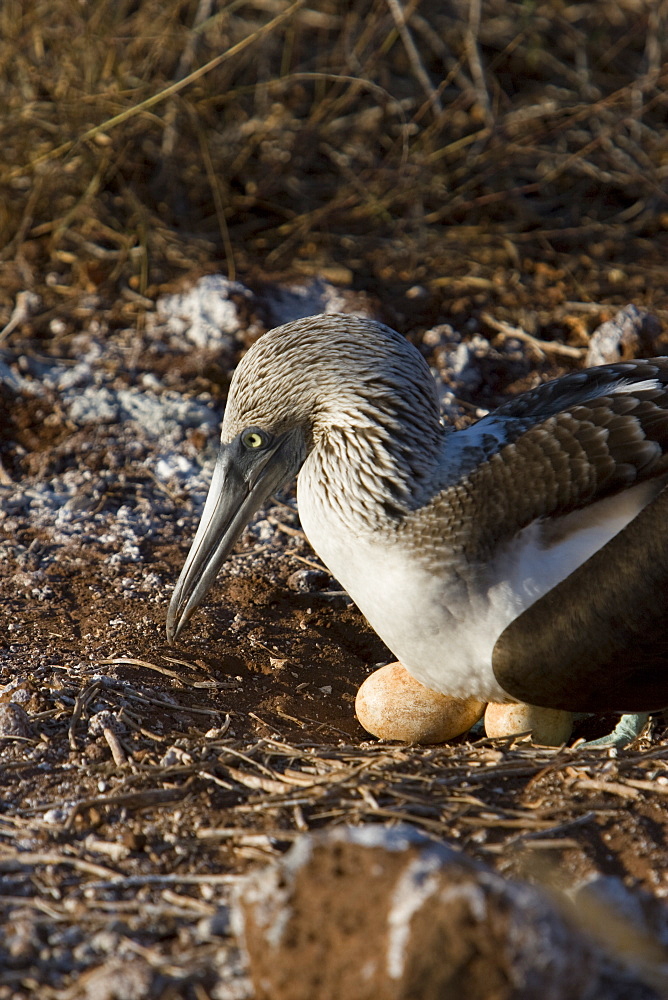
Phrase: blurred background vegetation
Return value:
(383, 143)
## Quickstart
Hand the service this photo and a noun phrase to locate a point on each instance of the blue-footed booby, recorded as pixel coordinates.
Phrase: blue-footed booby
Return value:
(521, 559)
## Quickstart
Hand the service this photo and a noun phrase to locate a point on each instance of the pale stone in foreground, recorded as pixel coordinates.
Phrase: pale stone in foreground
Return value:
(392, 705)
(549, 727)
(372, 913)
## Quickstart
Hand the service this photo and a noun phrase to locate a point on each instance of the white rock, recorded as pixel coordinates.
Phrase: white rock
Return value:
(205, 314)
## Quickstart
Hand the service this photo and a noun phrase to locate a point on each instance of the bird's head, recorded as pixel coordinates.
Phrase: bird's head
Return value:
(298, 387)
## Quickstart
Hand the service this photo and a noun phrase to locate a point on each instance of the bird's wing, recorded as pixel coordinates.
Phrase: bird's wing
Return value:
(554, 450)
(552, 397)
(598, 640)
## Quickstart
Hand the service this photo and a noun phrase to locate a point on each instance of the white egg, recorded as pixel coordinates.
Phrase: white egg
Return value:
(549, 727)
(392, 705)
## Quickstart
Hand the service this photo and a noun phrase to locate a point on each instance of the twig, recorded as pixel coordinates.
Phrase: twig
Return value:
(308, 562)
(127, 718)
(173, 706)
(26, 303)
(117, 751)
(475, 61)
(138, 881)
(131, 662)
(80, 703)
(150, 798)
(185, 62)
(612, 787)
(20, 859)
(293, 532)
(541, 347)
(414, 57)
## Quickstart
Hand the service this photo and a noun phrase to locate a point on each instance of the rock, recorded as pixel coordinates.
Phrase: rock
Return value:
(631, 333)
(14, 721)
(122, 979)
(215, 925)
(392, 705)
(208, 314)
(308, 581)
(549, 727)
(22, 940)
(372, 913)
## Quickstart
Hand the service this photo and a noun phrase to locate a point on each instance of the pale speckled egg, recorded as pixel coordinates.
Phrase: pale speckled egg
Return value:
(549, 727)
(392, 705)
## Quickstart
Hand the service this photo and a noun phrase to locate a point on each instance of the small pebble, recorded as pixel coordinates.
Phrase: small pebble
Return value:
(308, 581)
(549, 727)
(14, 720)
(392, 705)
(216, 925)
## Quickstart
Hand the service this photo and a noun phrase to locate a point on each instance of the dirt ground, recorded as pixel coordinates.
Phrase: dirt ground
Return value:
(489, 179)
(140, 780)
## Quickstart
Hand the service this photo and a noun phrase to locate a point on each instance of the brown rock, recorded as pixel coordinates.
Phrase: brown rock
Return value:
(385, 914)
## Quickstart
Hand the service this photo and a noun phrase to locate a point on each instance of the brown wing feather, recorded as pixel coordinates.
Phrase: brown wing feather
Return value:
(562, 393)
(567, 448)
(598, 641)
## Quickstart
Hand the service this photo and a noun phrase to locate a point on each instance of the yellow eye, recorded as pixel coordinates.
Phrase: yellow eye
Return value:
(253, 439)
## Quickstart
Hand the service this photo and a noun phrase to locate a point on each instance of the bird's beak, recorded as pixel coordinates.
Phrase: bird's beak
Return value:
(241, 482)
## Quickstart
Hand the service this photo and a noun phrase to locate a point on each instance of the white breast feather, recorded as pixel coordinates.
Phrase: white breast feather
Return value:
(443, 629)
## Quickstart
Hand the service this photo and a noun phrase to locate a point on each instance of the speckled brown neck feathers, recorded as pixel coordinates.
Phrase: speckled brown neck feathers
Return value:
(366, 403)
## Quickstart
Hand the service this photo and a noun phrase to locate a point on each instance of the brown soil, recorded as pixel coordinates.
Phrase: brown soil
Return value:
(243, 735)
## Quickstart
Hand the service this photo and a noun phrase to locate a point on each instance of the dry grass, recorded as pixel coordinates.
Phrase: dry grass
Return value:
(141, 139)
(268, 790)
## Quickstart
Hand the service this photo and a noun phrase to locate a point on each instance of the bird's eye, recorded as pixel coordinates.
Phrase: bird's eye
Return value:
(254, 439)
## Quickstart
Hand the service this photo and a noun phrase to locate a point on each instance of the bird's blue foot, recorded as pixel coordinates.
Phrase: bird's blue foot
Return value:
(625, 732)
